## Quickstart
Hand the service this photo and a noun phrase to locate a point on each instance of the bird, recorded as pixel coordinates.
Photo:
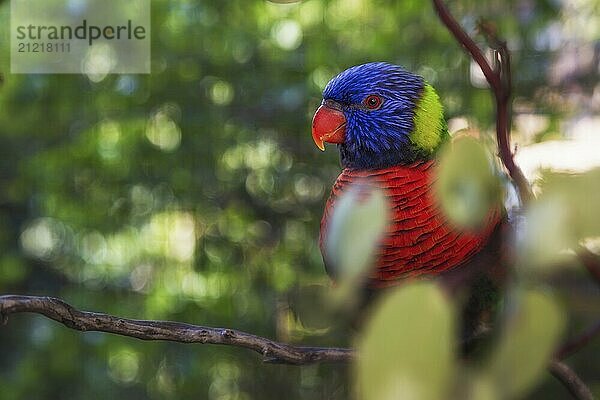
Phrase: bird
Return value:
(389, 126)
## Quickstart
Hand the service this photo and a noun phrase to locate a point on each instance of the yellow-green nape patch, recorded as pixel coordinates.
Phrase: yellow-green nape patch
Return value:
(430, 125)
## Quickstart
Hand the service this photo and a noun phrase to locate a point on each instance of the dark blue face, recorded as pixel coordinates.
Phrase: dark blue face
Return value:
(378, 101)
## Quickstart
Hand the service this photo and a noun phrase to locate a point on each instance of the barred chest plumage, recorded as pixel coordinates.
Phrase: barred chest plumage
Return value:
(419, 239)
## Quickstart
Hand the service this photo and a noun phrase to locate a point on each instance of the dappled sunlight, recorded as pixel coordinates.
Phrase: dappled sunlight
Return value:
(100, 60)
(42, 238)
(287, 34)
(221, 93)
(163, 132)
(172, 234)
(109, 136)
(123, 365)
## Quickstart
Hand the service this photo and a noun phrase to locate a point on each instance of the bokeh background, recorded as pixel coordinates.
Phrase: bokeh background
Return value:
(195, 193)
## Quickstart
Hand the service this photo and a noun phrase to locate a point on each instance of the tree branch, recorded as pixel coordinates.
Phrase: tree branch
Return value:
(271, 351)
(577, 343)
(500, 82)
(590, 261)
(570, 380)
(465, 40)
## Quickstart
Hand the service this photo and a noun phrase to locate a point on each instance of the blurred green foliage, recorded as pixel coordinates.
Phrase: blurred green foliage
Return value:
(357, 224)
(195, 193)
(566, 211)
(408, 348)
(468, 185)
(529, 337)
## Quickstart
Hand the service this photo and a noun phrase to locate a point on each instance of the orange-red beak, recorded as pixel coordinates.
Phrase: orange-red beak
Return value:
(328, 125)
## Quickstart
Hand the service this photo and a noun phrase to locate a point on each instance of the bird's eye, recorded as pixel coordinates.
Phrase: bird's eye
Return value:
(373, 102)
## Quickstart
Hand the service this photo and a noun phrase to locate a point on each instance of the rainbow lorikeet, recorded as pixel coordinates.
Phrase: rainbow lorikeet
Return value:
(388, 125)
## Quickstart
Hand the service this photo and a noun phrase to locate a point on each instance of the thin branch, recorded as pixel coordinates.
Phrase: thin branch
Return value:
(570, 380)
(590, 261)
(500, 82)
(577, 343)
(465, 40)
(271, 351)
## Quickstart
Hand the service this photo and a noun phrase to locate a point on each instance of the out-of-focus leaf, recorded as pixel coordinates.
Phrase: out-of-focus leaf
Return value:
(407, 348)
(530, 337)
(545, 234)
(566, 213)
(356, 225)
(467, 185)
(480, 388)
(580, 195)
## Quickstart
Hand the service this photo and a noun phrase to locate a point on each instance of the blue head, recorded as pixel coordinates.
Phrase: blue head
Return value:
(379, 115)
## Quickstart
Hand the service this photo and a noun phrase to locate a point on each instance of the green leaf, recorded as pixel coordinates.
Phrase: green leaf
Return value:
(356, 225)
(580, 194)
(407, 348)
(480, 388)
(530, 337)
(545, 235)
(565, 213)
(468, 185)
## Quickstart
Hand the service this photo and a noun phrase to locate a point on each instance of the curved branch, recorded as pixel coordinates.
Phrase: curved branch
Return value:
(570, 380)
(271, 351)
(465, 40)
(590, 261)
(500, 82)
(577, 343)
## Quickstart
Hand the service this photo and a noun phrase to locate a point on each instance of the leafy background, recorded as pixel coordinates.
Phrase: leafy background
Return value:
(195, 193)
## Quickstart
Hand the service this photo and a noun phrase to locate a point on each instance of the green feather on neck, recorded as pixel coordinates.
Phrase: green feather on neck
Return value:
(430, 129)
